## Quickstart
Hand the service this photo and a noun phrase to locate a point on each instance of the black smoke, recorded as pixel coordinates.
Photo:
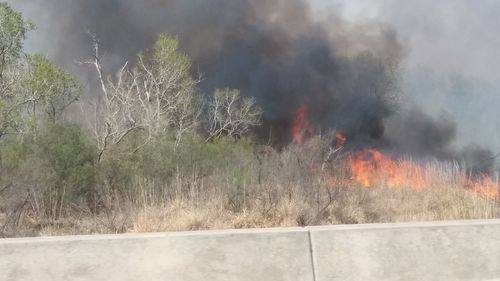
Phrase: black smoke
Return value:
(277, 51)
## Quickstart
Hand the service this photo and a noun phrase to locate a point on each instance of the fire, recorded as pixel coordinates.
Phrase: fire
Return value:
(302, 129)
(372, 168)
(483, 185)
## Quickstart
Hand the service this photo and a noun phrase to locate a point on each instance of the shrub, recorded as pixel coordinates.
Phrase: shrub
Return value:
(161, 162)
(11, 153)
(70, 162)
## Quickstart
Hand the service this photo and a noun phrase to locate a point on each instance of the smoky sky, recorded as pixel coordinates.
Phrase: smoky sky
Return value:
(451, 36)
(453, 62)
(347, 60)
(279, 51)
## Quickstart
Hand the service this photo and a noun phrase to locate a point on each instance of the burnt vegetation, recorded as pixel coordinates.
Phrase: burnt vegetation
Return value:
(261, 117)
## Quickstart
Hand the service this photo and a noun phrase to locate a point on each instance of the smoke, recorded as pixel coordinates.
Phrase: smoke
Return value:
(286, 53)
(277, 51)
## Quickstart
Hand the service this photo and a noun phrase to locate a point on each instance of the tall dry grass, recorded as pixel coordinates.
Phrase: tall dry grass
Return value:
(298, 186)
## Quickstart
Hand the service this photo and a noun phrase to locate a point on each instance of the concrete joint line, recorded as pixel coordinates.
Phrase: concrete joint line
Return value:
(311, 253)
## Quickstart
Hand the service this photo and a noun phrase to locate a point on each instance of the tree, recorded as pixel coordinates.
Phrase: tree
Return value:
(50, 88)
(158, 96)
(230, 114)
(13, 30)
(12, 99)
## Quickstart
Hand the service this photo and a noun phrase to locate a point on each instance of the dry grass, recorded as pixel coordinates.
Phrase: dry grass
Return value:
(296, 187)
(353, 205)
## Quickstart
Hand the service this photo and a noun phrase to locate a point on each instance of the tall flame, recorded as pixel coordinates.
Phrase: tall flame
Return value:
(302, 129)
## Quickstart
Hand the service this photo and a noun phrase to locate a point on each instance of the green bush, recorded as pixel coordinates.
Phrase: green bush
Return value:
(165, 159)
(11, 154)
(57, 166)
(70, 161)
(162, 161)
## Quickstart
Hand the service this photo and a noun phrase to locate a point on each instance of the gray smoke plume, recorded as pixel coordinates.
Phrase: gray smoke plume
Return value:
(286, 53)
(453, 65)
(276, 51)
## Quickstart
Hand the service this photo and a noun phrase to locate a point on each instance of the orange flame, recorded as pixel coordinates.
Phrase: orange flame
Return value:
(483, 185)
(372, 168)
(302, 129)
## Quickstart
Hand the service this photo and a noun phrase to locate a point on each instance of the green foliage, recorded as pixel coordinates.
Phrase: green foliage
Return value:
(166, 60)
(169, 101)
(168, 65)
(11, 154)
(51, 88)
(28, 83)
(154, 103)
(10, 116)
(13, 29)
(166, 160)
(70, 160)
(58, 164)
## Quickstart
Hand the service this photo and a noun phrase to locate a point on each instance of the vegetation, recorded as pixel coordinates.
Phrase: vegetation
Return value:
(156, 154)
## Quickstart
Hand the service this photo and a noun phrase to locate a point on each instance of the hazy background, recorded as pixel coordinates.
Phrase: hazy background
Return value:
(452, 61)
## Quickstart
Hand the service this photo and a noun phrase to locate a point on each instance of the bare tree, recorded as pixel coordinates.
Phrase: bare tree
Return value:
(112, 120)
(158, 96)
(230, 114)
(167, 94)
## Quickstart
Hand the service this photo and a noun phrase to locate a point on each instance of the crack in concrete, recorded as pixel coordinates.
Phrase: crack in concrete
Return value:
(311, 253)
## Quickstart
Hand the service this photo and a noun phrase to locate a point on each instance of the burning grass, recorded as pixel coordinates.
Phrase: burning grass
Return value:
(372, 168)
(309, 184)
